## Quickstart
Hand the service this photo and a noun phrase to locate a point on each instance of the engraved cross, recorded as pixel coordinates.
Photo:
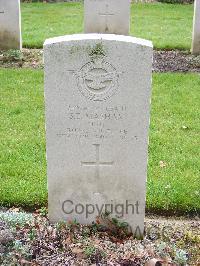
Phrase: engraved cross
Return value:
(97, 163)
(106, 14)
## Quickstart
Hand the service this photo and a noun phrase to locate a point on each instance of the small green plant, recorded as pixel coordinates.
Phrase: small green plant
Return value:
(73, 224)
(60, 225)
(180, 257)
(121, 225)
(14, 55)
(43, 211)
(95, 227)
(94, 254)
(190, 237)
(89, 251)
(20, 249)
(16, 218)
(162, 249)
(86, 232)
(32, 234)
(113, 226)
(165, 250)
(97, 51)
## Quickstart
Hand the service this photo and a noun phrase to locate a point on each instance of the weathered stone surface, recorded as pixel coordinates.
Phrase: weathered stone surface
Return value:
(10, 25)
(107, 16)
(97, 94)
(196, 29)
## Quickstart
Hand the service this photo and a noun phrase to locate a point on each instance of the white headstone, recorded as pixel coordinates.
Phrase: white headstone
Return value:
(10, 24)
(97, 94)
(196, 28)
(107, 16)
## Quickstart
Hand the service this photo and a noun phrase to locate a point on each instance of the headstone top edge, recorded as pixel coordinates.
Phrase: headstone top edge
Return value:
(97, 36)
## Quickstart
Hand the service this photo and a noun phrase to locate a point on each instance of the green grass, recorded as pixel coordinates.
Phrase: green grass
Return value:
(22, 146)
(168, 26)
(173, 139)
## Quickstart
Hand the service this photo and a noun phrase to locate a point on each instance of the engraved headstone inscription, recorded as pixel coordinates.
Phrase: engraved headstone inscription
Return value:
(196, 29)
(10, 25)
(107, 16)
(97, 98)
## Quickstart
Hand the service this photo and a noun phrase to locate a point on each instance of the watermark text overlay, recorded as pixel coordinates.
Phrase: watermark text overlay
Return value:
(119, 209)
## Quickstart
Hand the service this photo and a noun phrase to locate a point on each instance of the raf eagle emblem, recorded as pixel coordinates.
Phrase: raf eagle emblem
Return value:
(98, 81)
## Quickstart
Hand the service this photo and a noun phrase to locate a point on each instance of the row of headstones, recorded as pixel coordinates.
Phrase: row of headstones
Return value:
(10, 21)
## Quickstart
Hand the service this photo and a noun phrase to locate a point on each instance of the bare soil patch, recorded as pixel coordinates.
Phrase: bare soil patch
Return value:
(164, 61)
(29, 239)
(28, 58)
(175, 61)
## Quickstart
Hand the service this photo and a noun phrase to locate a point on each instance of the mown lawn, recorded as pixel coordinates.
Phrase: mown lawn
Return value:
(168, 26)
(173, 184)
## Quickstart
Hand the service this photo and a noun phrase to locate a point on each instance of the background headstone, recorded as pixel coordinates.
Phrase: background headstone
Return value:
(196, 29)
(10, 24)
(107, 16)
(97, 94)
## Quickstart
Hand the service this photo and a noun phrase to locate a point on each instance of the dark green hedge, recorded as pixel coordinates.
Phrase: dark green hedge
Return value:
(177, 1)
(163, 1)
